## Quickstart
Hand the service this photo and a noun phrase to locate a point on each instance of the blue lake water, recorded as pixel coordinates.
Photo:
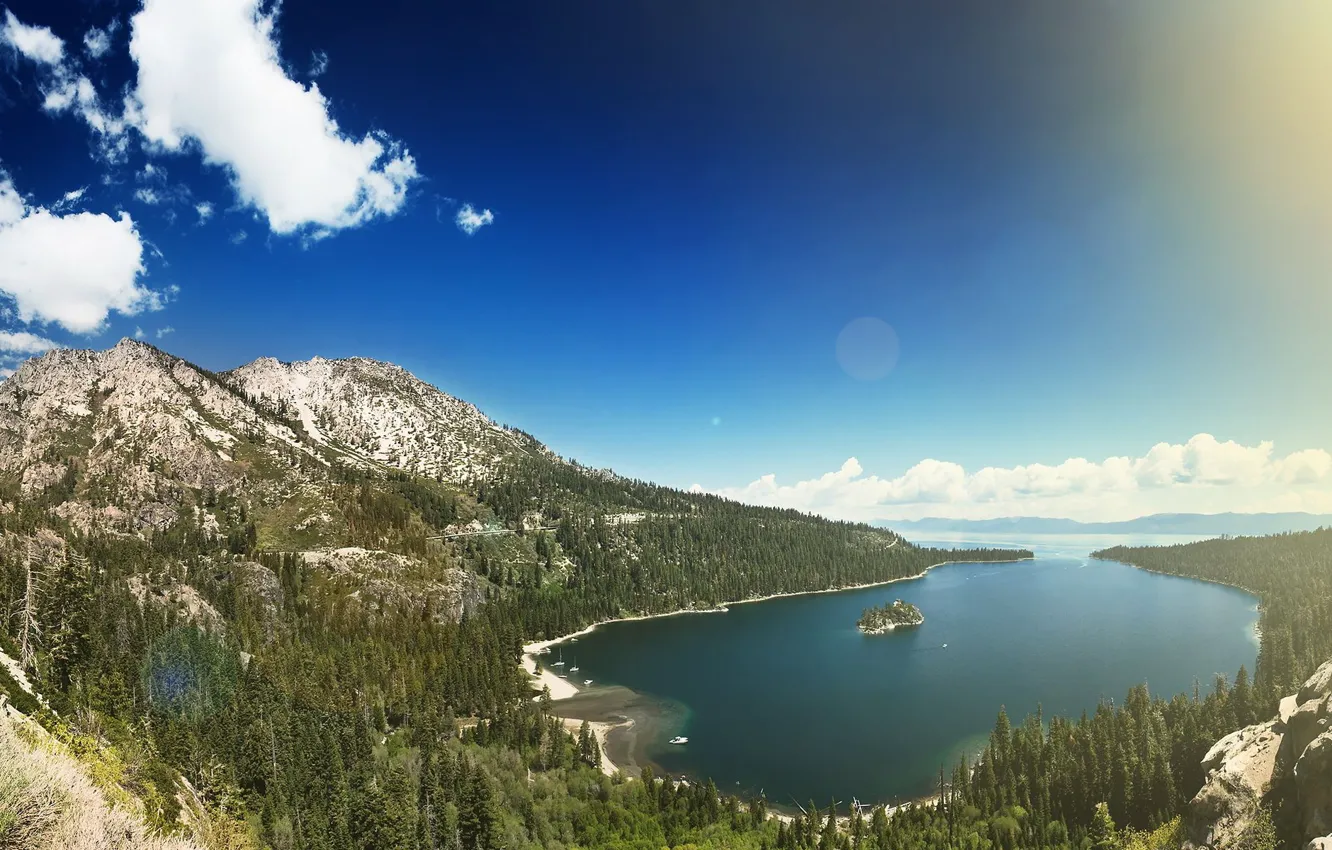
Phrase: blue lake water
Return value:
(787, 696)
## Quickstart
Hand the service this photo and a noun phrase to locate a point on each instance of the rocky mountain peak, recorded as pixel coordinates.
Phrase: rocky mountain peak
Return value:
(383, 414)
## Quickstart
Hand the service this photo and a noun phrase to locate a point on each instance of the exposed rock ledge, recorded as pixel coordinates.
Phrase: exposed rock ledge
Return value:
(1292, 753)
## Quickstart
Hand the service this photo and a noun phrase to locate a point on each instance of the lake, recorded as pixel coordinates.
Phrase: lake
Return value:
(788, 697)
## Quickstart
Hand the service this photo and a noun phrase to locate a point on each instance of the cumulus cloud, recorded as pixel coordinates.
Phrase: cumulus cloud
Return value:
(209, 75)
(36, 43)
(22, 342)
(71, 270)
(1204, 475)
(470, 221)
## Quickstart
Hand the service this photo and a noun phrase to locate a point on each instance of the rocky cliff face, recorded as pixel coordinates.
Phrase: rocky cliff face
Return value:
(381, 413)
(1305, 761)
(1286, 762)
(133, 427)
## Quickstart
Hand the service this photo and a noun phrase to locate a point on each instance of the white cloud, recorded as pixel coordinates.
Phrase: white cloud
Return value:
(205, 211)
(12, 206)
(36, 43)
(70, 199)
(1203, 475)
(71, 270)
(209, 74)
(470, 221)
(63, 87)
(97, 42)
(22, 342)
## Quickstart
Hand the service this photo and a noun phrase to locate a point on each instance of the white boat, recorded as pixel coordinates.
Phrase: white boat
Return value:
(679, 739)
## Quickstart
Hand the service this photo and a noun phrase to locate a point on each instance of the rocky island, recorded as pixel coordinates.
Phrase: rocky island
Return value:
(885, 618)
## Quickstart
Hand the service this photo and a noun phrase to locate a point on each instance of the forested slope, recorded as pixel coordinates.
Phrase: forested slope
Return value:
(180, 586)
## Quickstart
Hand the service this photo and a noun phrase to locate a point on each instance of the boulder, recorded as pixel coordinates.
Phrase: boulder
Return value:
(1310, 720)
(1239, 768)
(1318, 685)
(1313, 786)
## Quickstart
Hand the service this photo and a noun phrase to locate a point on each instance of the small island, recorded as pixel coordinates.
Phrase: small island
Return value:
(885, 618)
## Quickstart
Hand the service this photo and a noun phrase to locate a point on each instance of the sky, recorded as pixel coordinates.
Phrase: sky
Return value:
(877, 260)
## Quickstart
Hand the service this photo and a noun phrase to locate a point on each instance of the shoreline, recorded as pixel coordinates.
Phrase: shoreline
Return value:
(564, 689)
(1257, 626)
(600, 730)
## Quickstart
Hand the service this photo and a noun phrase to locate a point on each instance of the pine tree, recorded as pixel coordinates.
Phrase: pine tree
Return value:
(1102, 832)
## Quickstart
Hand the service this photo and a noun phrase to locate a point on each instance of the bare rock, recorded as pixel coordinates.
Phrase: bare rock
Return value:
(1313, 786)
(1239, 768)
(1306, 723)
(1318, 685)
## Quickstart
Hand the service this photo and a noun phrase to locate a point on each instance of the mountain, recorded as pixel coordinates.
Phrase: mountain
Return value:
(381, 413)
(1234, 524)
(284, 606)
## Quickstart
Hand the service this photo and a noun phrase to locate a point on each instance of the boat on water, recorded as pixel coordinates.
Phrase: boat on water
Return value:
(679, 739)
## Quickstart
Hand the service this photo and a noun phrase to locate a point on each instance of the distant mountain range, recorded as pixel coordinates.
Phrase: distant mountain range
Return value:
(1228, 523)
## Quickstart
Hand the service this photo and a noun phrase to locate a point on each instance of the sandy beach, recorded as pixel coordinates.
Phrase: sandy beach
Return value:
(602, 732)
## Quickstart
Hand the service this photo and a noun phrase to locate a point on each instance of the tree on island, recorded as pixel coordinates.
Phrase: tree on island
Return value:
(887, 617)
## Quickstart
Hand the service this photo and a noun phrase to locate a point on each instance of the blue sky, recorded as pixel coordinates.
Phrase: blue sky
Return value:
(1064, 214)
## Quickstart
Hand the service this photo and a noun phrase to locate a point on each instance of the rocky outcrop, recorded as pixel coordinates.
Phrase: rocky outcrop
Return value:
(1286, 761)
(1313, 785)
(1318, 685)
(379, 579)
(1239, 768)
(1306, 754)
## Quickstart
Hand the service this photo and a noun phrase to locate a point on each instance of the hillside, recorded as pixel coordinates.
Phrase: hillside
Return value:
(337, 559)
(283, 607)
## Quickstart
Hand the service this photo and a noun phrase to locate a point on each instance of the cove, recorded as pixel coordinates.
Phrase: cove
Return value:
(787, 697)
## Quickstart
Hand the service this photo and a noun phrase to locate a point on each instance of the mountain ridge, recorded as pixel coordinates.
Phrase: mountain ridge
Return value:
(1233, 523)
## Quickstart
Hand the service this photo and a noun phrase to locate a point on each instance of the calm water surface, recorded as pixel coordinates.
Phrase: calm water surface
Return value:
(788, 697)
